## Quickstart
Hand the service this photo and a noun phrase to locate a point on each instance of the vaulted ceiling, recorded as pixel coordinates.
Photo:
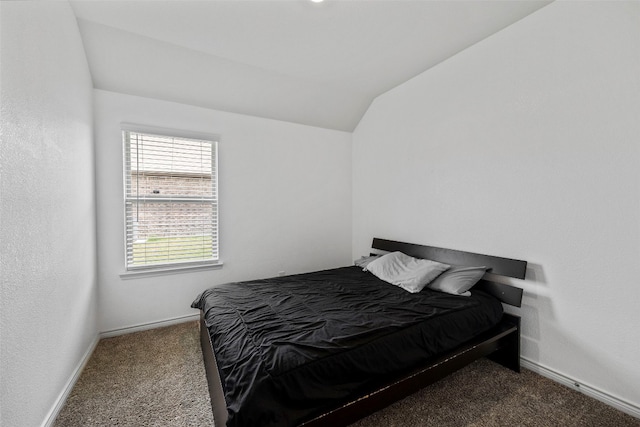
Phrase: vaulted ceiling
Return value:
(294, 60)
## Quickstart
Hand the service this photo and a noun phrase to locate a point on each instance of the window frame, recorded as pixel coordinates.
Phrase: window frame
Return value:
(180, 266)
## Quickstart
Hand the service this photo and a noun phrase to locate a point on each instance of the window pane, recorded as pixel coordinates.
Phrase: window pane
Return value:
(170, 200)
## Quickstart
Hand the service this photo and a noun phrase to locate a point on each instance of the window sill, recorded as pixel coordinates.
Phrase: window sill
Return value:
(151, 272)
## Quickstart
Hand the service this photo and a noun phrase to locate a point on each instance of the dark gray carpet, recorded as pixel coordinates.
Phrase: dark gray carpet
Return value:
(156, 378)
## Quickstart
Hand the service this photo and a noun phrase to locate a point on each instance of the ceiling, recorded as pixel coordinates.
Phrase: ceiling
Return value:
(293, 60)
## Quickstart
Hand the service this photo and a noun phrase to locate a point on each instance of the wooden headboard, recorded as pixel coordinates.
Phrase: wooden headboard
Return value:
(498, 266)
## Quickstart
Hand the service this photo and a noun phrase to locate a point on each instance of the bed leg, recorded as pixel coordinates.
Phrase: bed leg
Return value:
(508, 354)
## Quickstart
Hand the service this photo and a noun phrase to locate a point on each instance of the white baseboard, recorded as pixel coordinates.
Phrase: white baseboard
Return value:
(151, 325)
(62, 398)
(590, 391)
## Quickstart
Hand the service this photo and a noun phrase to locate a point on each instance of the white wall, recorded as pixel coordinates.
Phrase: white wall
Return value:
(526, 146)
(47, 211)
(285, 204)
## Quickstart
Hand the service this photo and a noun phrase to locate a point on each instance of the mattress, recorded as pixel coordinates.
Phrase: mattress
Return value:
(289, 348)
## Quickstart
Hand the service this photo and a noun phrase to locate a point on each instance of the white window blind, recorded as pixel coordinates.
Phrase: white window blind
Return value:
(171, 200)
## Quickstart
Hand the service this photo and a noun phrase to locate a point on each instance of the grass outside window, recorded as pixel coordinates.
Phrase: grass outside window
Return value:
(169, 250)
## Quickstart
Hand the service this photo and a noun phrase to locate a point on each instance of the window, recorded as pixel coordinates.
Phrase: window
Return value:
(171, 200)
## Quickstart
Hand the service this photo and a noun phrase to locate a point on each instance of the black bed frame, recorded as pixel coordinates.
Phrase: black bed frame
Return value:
(501, 344)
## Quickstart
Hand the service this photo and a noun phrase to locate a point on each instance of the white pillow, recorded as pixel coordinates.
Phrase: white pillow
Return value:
(458, 280)
(411, 274)
(363, 261)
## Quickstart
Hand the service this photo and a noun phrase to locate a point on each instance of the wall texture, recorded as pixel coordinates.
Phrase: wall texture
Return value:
(285, 204)
(526, 146)
(47, 213)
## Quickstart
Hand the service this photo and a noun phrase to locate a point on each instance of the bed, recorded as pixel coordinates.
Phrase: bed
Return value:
(329, 347)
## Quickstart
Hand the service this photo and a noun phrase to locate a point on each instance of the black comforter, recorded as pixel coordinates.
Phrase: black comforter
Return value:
(290, 347)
